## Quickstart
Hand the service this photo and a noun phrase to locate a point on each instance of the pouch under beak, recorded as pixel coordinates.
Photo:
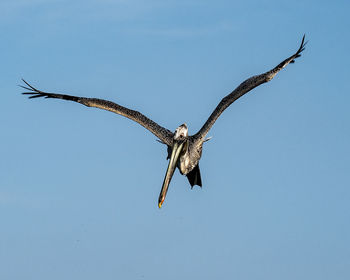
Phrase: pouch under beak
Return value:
(170, 171)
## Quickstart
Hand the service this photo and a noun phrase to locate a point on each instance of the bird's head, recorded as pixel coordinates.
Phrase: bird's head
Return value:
(180, 145)
(181, 133)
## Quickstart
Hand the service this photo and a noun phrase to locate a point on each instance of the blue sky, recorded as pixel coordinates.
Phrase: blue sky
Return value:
(79, 186)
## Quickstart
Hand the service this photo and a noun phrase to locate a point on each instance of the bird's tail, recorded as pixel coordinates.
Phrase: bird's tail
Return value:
(194, 177)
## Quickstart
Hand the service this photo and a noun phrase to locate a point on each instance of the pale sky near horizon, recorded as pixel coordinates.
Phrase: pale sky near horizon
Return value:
(79, 186)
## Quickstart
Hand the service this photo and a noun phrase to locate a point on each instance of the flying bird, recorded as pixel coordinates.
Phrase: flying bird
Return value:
(184, 151)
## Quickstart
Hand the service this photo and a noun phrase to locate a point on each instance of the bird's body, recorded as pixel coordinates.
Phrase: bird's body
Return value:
(191, 153)
(184, 151)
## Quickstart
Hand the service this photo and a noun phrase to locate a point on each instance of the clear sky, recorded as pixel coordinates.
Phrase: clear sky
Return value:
(79, 186)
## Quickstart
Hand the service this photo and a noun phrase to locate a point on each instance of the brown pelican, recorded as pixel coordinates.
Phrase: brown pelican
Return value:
(184, 151)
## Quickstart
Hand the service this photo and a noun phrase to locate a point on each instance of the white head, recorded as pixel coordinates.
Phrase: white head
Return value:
(181, 132)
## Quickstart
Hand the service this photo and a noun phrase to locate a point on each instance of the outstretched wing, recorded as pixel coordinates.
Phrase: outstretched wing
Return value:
(242, 89)
(162, 133)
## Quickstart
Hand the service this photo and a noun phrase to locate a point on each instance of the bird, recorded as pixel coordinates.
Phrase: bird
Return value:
(184, 151)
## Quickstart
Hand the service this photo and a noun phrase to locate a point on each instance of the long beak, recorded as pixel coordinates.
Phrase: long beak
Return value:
(170, 171)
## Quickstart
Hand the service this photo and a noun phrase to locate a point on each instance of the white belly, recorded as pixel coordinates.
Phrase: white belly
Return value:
(184, 164)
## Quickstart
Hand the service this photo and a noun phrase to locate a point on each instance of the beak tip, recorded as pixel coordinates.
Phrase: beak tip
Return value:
(160, 205)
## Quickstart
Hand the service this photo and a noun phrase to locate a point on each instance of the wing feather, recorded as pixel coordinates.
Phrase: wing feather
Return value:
(242, 89)
(162, 133)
